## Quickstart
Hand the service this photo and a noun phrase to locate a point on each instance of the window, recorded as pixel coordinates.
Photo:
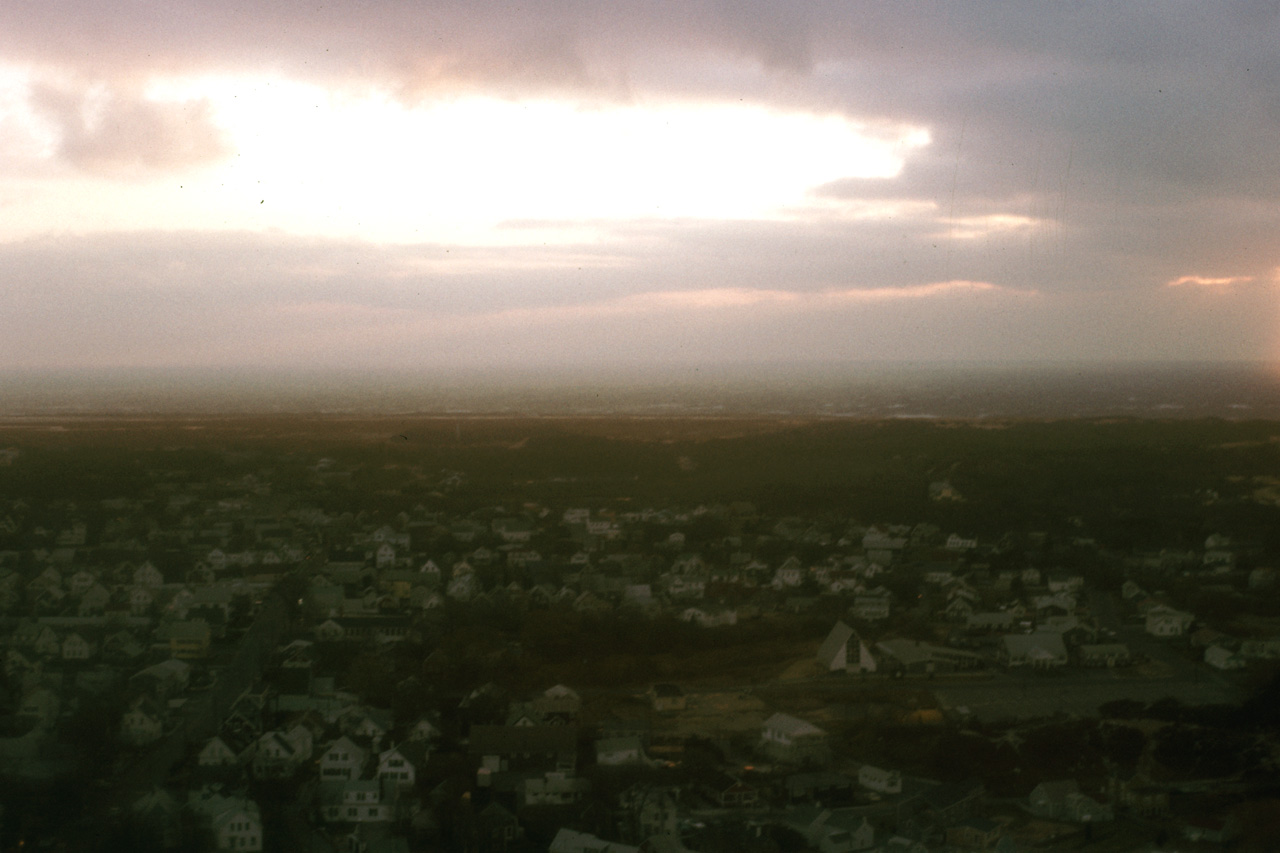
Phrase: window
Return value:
(352, 812)
(373, 812)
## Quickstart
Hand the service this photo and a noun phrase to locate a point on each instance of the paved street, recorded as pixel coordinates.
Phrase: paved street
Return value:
(1171, 673)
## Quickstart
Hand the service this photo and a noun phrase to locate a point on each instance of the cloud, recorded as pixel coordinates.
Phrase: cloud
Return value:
(1205, 281)
(106, 131)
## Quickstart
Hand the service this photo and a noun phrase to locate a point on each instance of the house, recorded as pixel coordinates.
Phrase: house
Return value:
(790, 574)
(159, 817)
(790, 739)
(649, 810)
(222, 751)
(1164, 621)
(424, 730)
(844, 651)
(1263, 649)
(1104, 654)
(403, 764)
(16, 665)
(974, 833)
(163, 680)
(189, 639)
(1062, 800)
(385, 556)
(521, 748)
(236, 823)
(148, 576)
(93, 601)
(573, 841)
(275, 757)
(667, 697)
(1139, 795)
(359, 801)
(80, 582)
(76, 647)
(367, 724)
(1041, 650)
(872, 605)
(39, 708)
(497, 827)
(1220, 657)
(558, 704)
(917, 658)
(619, 751)
(140, 600)
(143, 723)
(818, 786)
(958, 609)
(950, 803)
(47, 643)
(342, 760)
(728, 791)
(832, 831)
(989, 622)
(880, 781)
(553, 788)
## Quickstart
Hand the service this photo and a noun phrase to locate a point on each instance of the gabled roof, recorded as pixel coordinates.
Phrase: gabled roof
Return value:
(792, 726)
(836, 640)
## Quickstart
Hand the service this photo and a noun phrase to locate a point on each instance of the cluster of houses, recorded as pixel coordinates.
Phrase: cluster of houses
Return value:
(144, 598)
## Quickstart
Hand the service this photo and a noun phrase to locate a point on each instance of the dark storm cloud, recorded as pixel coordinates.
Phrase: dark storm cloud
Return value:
(1162, 101)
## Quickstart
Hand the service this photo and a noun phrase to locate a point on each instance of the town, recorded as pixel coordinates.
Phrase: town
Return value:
(409, 636)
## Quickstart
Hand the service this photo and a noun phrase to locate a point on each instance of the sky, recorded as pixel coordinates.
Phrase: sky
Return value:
(445, 185)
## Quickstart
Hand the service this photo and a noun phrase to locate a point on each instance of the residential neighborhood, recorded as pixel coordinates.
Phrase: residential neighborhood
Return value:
(244, 661)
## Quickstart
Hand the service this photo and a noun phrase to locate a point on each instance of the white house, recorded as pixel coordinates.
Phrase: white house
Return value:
(342, 760)
(148, 576)
(236, 822)
(1041, 650)
(787, 738)
(401, 764)
(1165, 621)
(619, 751)
(357, 801)
(275, 757)
(142, 724)
(218, 753)
(1220, 657)
(76, 647)
(879, 780)
(554, 788)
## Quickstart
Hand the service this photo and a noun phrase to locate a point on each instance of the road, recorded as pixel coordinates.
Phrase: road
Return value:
(203, 712)
(1077, 691)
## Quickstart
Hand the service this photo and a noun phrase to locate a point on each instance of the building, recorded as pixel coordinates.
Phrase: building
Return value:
(844, 651)
(792, 740)
(1165, 621)
(1041, 650)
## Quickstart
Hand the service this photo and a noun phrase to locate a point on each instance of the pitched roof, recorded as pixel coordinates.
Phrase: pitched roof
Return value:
(837, 640)
(792, 726)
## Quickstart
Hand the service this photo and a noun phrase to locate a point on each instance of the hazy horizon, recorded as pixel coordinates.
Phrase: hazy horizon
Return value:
(869, 390)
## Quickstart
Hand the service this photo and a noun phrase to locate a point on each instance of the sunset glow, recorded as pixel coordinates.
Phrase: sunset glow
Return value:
(307, 185)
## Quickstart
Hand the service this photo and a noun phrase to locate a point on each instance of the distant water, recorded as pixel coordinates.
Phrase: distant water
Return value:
(1234, 391)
